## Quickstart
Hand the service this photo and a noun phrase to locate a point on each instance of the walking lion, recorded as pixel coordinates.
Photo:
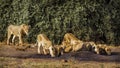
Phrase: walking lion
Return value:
(17, 31)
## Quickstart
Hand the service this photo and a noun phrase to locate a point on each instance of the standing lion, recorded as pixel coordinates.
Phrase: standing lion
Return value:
(47, 46)
(17, 31)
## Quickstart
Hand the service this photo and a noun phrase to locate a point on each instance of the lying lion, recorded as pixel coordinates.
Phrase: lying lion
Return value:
(69, 42)
(103, 49)
(82, 46)
(16, 31)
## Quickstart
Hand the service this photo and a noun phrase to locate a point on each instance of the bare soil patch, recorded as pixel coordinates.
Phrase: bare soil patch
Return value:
(12, 51)
(74, 57)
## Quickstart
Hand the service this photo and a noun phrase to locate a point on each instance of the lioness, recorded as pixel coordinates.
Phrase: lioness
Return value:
(42, 40)
(103, 49)
(16, 31)
(71, 43)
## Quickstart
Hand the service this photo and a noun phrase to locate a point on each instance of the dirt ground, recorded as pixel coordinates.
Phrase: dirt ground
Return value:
(82, 56)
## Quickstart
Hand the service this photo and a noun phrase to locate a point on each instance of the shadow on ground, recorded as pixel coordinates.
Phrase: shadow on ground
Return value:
(10, 51)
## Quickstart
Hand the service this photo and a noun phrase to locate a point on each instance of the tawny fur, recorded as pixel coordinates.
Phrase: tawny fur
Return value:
(16, 31)
(46, 44)
(104, 49)
(71, 43)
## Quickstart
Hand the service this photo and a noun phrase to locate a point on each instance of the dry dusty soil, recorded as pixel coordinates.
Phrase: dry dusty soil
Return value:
(11, 57)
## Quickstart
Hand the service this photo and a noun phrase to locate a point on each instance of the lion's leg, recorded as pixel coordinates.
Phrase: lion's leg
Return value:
(38, 49)
(20, 40)
(13, 39)
(44, 51)
(51, 51)
(8, 38)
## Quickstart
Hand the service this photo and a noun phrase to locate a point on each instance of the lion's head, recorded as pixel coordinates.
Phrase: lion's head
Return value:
(25, 28)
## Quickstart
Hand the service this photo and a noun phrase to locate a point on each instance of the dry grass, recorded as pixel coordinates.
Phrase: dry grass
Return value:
(6, 62)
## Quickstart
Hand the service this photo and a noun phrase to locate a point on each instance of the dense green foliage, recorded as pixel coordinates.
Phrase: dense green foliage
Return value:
(89, 20)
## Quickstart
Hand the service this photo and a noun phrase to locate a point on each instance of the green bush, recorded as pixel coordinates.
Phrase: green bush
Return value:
(96, 20)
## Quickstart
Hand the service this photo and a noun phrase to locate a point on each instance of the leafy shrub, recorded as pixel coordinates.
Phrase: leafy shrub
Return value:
(96, 20)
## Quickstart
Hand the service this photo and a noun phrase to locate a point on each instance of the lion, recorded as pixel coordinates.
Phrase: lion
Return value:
(46, 44)
(73, 44)
(17, 31)
(103, 49)
(92, 47)
(69, 42)
(97, 48)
